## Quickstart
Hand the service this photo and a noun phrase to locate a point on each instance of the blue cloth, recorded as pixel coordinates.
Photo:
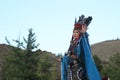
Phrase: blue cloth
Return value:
(91, 69)
(64, 65)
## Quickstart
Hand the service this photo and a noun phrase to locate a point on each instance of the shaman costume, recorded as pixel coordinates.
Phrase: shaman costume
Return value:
(81, 66)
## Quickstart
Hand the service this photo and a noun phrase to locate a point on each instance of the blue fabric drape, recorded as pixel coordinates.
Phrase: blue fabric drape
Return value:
(92, 71)
(64, 65)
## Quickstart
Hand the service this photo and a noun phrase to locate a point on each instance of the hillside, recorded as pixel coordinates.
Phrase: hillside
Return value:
(6, 50)
(106, 49)
(103, 50)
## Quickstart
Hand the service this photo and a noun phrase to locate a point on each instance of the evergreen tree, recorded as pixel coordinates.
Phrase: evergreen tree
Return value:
(43, 71)
(47, 69)
(21, 63)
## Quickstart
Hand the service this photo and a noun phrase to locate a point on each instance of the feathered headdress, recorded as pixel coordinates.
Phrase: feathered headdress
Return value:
(82, 21)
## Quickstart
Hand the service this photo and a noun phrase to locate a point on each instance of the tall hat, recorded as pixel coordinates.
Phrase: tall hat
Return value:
(82, 21)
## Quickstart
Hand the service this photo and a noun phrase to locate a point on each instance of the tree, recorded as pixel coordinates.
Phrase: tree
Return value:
(43, 71)
(113, 68)
(98, 62)
(115, 60)
(21, 63)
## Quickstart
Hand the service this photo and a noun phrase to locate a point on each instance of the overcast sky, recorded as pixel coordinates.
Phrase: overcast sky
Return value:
(53, 20)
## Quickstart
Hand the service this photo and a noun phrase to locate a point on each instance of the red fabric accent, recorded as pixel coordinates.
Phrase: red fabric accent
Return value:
(77, 26)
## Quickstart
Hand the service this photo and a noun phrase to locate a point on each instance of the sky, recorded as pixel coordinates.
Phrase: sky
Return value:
(53, 20)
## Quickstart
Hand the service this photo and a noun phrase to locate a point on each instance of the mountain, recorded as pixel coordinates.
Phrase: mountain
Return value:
(104, 50)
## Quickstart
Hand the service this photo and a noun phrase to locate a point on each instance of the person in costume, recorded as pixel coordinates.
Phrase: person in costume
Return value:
(78, 63)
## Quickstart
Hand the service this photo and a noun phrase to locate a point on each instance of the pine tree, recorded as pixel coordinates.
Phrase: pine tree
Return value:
(47, 68)
(21, 63)
(43, 71)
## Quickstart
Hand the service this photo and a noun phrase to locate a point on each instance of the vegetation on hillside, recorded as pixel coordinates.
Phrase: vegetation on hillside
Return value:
(104, 50)
(25, 63)
(110, 69)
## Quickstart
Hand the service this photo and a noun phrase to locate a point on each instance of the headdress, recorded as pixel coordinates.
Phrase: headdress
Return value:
(82, 21)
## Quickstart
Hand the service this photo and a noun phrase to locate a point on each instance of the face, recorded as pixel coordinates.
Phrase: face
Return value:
(76, 34)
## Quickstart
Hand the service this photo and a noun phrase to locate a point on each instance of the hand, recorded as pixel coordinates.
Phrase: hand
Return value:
(84, 29)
